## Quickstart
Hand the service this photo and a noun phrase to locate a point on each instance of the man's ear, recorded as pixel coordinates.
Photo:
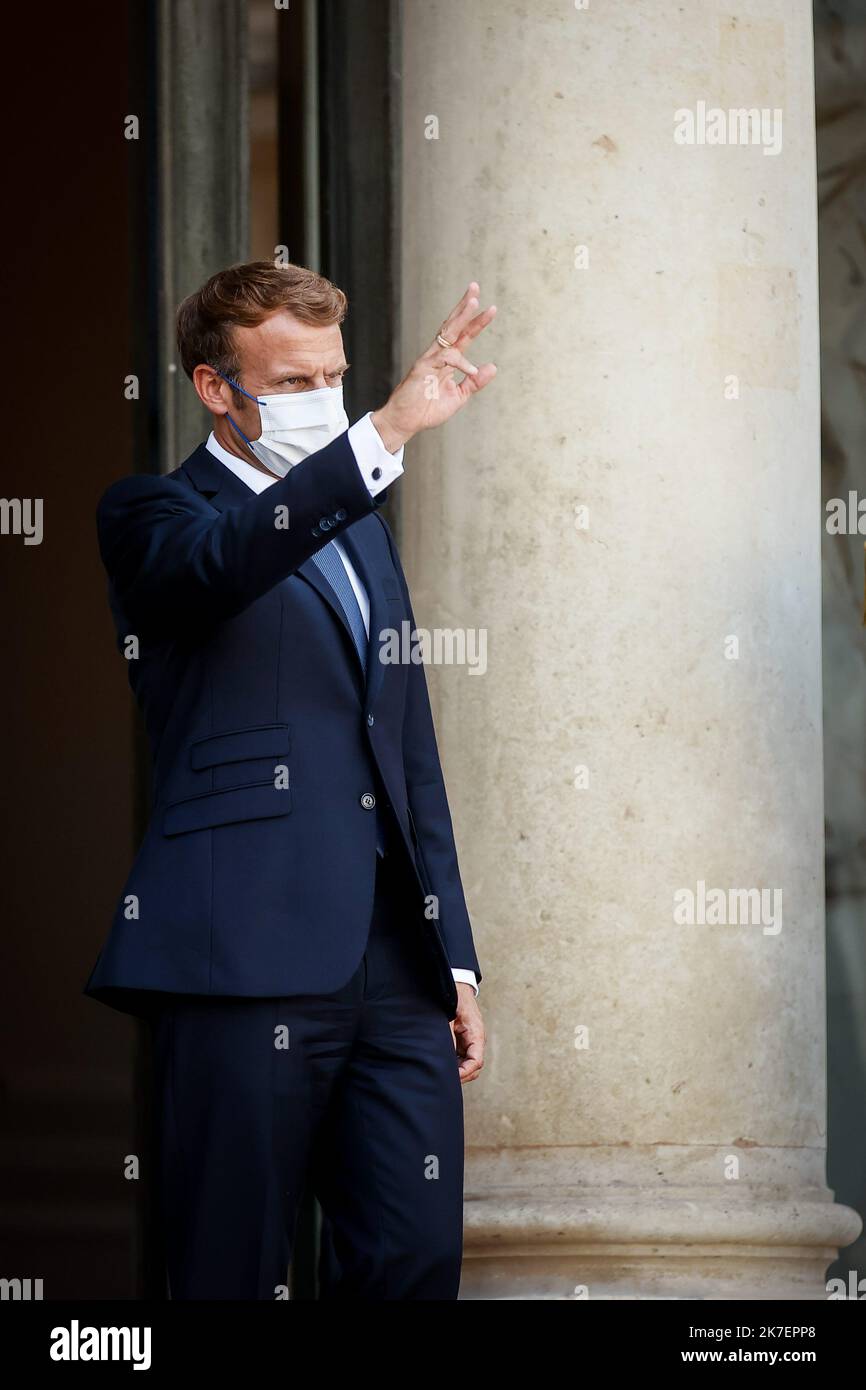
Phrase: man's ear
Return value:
(211, 389)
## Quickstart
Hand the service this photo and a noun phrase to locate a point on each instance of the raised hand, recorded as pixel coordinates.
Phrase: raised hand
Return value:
(429, 395)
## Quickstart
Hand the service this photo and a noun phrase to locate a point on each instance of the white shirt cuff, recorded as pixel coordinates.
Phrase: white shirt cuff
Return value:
(378, 468)
(466, 977)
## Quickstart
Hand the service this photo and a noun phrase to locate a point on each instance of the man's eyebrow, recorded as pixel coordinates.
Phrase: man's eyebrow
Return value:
(305, 376)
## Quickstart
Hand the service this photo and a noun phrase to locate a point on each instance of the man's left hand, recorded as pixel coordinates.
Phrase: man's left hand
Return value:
(467, 1030)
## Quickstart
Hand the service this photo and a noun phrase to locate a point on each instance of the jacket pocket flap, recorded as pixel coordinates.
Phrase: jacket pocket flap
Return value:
(239, 745)
(255, 801)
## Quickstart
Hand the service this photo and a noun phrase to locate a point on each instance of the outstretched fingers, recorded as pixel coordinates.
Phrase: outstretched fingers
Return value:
(476, 326)
(461, 314)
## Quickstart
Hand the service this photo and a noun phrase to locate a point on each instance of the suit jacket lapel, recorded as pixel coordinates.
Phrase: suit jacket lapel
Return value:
(357, 541)
(313, 575)
(222, 488)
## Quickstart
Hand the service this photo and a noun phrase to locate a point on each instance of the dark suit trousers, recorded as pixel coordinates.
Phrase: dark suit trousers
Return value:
(356, 1090)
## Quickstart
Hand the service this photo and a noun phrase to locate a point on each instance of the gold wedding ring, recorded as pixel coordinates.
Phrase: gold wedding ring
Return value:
(443, 342)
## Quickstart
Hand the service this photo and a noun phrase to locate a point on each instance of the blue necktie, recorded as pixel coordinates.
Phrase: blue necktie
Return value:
(329, 562)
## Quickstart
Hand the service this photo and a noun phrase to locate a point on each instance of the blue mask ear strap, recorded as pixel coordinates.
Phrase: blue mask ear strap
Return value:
(236, 386)
(237, 429)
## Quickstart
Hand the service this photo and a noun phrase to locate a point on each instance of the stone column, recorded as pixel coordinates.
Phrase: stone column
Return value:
(632, 512)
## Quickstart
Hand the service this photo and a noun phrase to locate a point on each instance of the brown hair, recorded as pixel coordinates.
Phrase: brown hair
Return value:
(245, 295)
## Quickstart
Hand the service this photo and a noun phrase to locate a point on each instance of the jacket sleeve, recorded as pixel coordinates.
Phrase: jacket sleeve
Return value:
(428, 803)
(177, 565)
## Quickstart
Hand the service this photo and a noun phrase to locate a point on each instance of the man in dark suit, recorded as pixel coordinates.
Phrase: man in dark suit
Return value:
(294, 926)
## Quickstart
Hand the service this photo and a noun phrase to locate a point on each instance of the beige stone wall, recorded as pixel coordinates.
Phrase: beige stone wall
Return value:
(666, 379)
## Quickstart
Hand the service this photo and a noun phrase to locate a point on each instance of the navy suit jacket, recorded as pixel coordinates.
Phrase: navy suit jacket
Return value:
(257, 871)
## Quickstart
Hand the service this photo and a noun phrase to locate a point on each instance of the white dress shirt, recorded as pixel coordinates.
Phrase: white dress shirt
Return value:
(378, 469)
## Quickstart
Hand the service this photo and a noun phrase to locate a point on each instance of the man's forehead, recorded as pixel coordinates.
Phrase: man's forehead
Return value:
(281, 334)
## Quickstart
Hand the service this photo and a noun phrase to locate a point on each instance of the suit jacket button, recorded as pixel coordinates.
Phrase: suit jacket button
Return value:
(370, 720)
(325, 522)
(316, 531)
(341, 514)
(368, 801)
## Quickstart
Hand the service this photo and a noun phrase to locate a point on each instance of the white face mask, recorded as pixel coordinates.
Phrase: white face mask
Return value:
(294, 424)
